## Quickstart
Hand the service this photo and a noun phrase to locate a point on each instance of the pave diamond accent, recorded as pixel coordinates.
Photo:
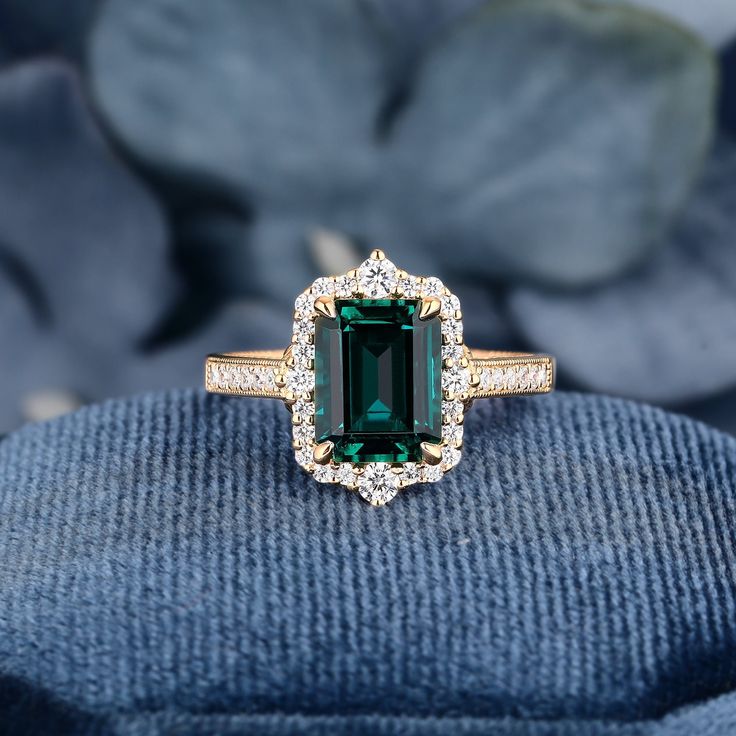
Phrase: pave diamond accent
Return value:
(377, 279)
(301, 382)
(245, 378)
(517, 377)
(378, 484)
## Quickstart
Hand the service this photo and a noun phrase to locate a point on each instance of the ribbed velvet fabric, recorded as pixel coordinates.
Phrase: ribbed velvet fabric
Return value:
(166, 568)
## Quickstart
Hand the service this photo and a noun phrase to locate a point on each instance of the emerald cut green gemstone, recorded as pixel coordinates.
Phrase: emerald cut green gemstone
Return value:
(378, 391)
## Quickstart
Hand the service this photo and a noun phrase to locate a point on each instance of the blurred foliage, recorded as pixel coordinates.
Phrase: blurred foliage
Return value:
(488, 147)
(165, 159)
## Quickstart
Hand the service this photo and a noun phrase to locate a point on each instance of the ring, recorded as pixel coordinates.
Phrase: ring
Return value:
(378, 378)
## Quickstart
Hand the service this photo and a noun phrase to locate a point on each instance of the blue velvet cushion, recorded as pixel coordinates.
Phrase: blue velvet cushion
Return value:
(166, 568)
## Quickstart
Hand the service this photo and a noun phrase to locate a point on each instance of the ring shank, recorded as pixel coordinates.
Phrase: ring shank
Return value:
(501, 373)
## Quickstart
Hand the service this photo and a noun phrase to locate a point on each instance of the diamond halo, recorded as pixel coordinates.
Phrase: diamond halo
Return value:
(377, 278)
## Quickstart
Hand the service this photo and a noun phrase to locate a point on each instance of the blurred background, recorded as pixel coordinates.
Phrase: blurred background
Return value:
(173, 172)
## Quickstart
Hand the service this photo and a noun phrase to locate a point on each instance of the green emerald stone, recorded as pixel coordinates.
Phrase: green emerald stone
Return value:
(378, 391)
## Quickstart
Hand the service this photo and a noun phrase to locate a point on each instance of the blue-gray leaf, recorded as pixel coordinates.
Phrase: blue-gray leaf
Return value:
(278, 99)
(88, 231)
(554, 139)
(667, 333)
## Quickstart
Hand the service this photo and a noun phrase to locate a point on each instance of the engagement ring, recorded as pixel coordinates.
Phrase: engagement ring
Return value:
(378, 378)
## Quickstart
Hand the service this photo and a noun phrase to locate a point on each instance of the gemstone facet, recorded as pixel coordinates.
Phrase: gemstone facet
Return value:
(378, 392)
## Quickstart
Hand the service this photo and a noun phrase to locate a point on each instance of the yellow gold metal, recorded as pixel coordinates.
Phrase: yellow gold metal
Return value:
(325, 305)
(430, 307)
(431, 454)
(377, 255)
(323, 452)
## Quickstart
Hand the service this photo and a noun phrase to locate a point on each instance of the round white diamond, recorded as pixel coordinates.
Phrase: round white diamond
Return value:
(452, 433)
(498, 378)
(410, 473)
(522, 376)
(455, 380)
(433, 287)
(377, 279)
(323, 287)
(452, 409)
(510, 378)
(450, 457)
(304, 305)
(304, 433)
(303, 329)
(305, 457)
(302, 353)
(345, 286)
(324, 473)
(345, 475)
(378, 484)
(248, 381)
(431, 473)
(486, 379)
(450, 305)
(299, 381)
(453, 350)
(452, 329)
(303, 408)
(409, 287)
(265, 379)
(539, 376)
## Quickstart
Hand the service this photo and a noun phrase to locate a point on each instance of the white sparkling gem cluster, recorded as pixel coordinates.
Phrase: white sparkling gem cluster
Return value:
(517, 377)
(243, 377)
(377, 278)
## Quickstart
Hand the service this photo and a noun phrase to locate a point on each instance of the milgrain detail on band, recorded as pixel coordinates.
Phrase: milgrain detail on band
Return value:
(245, 374)
(500, 373)
(512, 374)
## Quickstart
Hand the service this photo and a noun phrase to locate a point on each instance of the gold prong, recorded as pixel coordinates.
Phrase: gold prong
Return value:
(448, 362)
(397, 469)
(430, 308)
(377, 254)
(458, 314)
(288, 356)
(431, 454)
(401, 274)
(279, 380)
(296, 444)
(323, 452)
(474, 380)
(352, 273)
(325, 305)
(296, 419)
(464, 362)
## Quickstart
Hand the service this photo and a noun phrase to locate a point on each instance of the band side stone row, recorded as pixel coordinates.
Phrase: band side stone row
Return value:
(256, 377)
(243, 376)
